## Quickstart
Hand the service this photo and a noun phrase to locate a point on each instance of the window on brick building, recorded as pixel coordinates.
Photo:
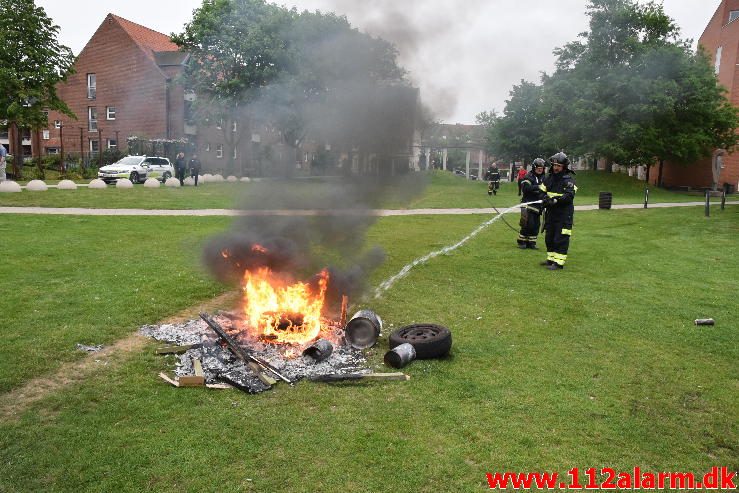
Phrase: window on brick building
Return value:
(94, 146)
(110, 112)
(219, 151)
(45, 134)
(207, 147)
(717, 61)
(112, 144)
(57, 124)
(52, 150)
(219, 123)
(733, 15)
(91, 86)
(92, 118)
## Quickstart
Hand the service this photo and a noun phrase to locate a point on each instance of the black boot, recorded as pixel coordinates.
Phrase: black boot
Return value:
(556, 267)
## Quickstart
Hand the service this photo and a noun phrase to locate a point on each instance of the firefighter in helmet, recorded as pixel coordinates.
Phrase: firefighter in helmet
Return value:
(531, 213)
(492, 175)
(559, 188)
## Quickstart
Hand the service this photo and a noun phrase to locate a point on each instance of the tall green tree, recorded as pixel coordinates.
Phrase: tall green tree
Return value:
(517, 134)
(293, 70)
(32, 62)
(237, 48)
(589, 97)
(329, 61)
(630, 90)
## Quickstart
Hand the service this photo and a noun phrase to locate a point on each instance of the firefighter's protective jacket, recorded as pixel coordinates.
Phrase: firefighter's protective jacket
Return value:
(531, 191)
(561, 188)
(492, 174)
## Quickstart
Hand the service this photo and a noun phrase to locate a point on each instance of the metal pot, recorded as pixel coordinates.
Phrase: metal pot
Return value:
(363, 329)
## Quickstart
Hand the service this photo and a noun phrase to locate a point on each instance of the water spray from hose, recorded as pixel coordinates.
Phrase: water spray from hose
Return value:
(388, 283)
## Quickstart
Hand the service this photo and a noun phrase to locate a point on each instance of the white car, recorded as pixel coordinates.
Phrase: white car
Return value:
(137, 169)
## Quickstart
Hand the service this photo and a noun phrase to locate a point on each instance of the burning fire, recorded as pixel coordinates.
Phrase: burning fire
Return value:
(282, 312)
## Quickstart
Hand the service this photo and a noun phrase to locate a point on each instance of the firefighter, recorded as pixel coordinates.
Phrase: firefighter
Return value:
(492, 175)
(560, 189)
(530, 214)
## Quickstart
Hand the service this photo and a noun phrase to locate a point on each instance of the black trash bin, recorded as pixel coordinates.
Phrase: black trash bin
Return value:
(604, 200)
(728, 188)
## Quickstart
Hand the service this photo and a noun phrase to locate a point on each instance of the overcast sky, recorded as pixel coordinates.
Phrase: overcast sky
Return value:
(465, 55)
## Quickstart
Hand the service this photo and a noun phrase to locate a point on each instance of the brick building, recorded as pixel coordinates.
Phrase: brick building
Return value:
(127, 84)
(720, 39)
(124, 85)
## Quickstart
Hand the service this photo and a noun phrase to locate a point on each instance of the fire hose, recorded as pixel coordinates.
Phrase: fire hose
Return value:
(503, 218)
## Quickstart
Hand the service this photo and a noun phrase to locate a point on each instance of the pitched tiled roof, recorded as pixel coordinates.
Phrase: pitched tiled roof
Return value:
(147, 39)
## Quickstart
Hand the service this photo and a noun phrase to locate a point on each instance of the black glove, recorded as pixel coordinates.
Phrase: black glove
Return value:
(549, 201)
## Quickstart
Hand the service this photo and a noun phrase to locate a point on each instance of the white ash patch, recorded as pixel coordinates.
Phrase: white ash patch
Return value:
(190, 332)
(90, 349)
(221, 365)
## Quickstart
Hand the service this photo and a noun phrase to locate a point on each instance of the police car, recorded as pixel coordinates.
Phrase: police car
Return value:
(137, 169)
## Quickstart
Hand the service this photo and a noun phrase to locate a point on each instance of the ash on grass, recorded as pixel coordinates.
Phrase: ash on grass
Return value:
(221, 365)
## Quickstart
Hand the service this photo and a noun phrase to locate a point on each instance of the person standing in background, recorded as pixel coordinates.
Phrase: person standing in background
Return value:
(179, 167)
(195, 166)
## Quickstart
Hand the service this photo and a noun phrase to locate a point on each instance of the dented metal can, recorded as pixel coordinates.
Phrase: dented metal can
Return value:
(400, 355)
(319, 350)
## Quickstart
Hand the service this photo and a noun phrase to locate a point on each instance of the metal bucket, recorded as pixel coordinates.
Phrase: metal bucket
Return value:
(320, 350)
(400, 355)
(363, 329)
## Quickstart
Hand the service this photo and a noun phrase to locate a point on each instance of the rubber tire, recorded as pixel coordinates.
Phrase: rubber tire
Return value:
(134, 177)
(429, 340)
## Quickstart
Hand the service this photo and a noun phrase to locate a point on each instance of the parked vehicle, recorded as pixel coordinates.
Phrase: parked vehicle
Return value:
(137, 169)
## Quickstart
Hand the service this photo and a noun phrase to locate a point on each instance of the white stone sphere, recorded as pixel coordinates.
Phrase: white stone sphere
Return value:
(9, 187)
(97, 183)
(246, 179)
(217, 178)
(151, 183)
(172, 182)
(123, 183)
(207, 177)
(66, 185)
(232, 179)
(36, 186)
(189, 181)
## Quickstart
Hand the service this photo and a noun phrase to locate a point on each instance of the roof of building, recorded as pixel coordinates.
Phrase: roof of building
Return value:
(149, 40)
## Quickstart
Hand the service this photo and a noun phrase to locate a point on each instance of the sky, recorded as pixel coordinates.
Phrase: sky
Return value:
(464, 55)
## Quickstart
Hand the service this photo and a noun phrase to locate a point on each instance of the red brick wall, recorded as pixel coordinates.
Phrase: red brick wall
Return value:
(717, 33)
(127, 79)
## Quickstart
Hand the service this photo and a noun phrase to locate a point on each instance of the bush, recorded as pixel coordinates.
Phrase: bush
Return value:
(51, 161)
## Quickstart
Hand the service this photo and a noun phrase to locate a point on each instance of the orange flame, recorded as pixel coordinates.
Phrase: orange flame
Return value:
(287, 313)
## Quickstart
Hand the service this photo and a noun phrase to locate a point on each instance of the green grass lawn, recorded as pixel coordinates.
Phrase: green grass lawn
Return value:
(596, 365)
(444, 190)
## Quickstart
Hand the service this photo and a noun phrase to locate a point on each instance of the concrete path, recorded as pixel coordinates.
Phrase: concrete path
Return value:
(77, 211)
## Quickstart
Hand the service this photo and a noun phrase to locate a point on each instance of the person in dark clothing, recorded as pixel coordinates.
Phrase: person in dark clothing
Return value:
(492, 175)
(531, 214)
(179, 167)
(560, 189)
(195, 166)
